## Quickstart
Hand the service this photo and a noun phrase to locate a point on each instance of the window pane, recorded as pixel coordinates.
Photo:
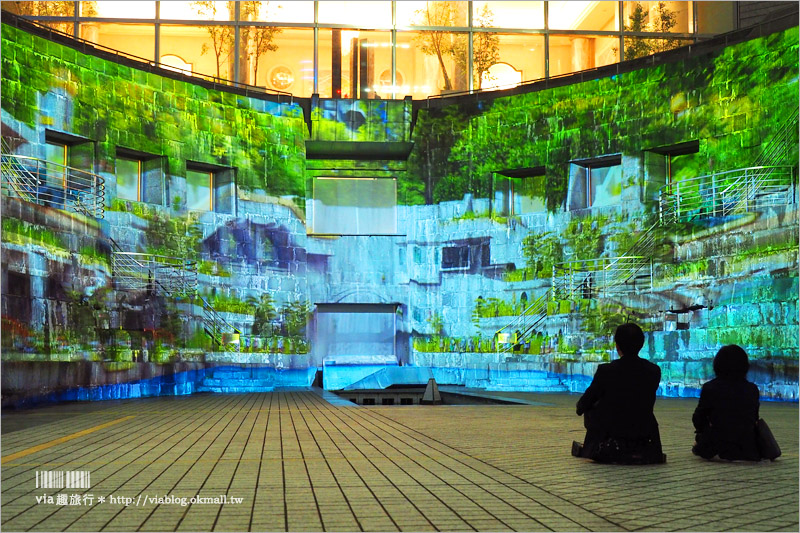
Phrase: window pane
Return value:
(574, 53)
(572, 15)
(372, 71)
(528, 195)
(455, 257)
(256, 44)
(355, 206)
(198, 190)
(503, 60)
(45, 9)
(195, 11)
(288, 65)
(119, 10)
(360, 14)
(527, 15)
(56, 153)
(659, 17)
(715, 17)
(639, 47)
(431, 13)
(281, 12)
(360, 332)
(134, 39)
(420, 66)
(41, 9)
(605, 185)
(194, 46)
(128, 173)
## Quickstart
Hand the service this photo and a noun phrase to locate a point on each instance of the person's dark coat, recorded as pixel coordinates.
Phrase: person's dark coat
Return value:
(725, 420)
(618, 407)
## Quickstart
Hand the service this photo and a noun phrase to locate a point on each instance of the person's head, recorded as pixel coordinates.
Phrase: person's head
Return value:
(629, 339)
(731, 362)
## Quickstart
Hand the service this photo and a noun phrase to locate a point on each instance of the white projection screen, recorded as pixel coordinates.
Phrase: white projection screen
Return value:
(355, 329)
(354, 206)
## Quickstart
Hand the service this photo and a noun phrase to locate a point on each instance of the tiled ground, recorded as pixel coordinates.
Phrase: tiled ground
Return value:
(300, 463)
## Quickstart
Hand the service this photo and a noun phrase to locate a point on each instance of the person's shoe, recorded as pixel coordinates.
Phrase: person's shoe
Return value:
(577, 448)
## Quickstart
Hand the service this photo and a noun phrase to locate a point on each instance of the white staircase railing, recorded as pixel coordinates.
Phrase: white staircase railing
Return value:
(149, 272)
(515, 331)
(174, 277)
(53, 185)
(603, 277)
(725, 193)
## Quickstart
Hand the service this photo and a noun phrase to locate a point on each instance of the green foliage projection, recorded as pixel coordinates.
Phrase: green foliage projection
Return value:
(735, 98)
(542, 251)
(117, 105)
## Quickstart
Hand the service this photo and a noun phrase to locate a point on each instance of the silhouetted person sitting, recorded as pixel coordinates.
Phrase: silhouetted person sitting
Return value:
(618, 406)
(726, 415)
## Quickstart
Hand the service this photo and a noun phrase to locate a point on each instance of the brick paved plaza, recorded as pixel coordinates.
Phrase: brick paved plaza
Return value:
(300, 463)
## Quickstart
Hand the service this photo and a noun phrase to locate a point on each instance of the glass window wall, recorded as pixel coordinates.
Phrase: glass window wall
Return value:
(355, 64)
(584, 16)
(196, 11)
(660, 17)
(135, 39)
(286, 60)
(573, 53)
(362, 14)
(119, 10)
(426, 54)
(203, 49)
(518, 15)
(432, 62)
(300, 12)
(511, 58)
(432, 13)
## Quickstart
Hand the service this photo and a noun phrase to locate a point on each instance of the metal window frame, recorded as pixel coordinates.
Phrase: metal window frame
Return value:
(77, 19)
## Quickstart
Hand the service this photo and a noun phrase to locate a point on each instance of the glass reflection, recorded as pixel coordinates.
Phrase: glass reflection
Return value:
(135, 39)
(431, 13)
(196, 10)
(590, 16)
(207, 48)
(295, 12)
(573, 53)
(364, 14)
(523, 15)
(119, 10)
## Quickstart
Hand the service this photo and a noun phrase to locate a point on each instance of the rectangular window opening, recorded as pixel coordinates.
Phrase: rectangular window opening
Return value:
(455, 258)
(199, 187)
(140, 176)
(519, 192)
(210, 188)
(596, 182)
(354, 206)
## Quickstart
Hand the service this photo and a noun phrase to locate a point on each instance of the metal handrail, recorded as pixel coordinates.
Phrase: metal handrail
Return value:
(215, 325)
(172, 275)
(783, 142)
(54, 185)
(724, 193)
(525, 322)
(602, 277)
(141, 271)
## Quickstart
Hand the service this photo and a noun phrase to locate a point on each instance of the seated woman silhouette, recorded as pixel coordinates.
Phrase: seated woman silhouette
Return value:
(618, 407)
(726, 415)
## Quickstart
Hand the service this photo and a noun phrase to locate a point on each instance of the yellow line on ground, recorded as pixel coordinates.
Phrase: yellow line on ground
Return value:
(61, 440)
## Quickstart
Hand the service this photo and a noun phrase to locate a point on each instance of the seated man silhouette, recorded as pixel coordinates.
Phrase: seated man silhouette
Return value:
(618, 406)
